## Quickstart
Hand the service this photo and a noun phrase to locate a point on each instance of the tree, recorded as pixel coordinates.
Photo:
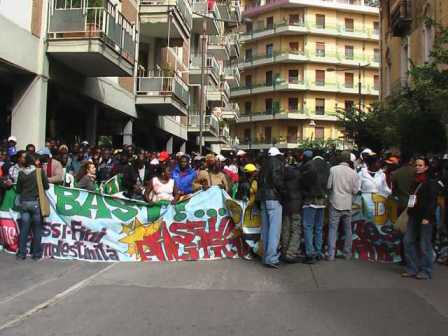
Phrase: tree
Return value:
(413, 118)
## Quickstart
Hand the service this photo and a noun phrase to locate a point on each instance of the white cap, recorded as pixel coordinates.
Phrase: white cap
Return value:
(154, 162)
(179, 154)
(12, 138)
(84, 142)
(352, 157)
(241, 153)
(220, 157)
(274, 151)
(367, 152)
(445, 156)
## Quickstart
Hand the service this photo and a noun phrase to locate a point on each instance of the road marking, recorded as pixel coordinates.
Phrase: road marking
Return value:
(55, 299)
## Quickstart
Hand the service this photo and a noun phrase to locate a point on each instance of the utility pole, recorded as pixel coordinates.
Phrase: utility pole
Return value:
(359, 86)
(202, 93)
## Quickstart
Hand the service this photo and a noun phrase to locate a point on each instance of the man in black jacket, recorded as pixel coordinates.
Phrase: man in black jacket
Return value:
(270, 193)
(292, 212)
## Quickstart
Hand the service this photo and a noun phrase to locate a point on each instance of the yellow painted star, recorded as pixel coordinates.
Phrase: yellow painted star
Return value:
(138, 234)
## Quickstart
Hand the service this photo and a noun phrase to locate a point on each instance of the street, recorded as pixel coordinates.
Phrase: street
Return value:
(227, 297)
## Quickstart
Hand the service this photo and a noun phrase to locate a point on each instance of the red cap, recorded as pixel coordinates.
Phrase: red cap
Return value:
(164, 156)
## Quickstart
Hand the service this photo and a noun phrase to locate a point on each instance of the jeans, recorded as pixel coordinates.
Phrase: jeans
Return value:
(30, 219)
(271, 227)
(313, 222)
(418, 241)
(291, 235)
(336, 217)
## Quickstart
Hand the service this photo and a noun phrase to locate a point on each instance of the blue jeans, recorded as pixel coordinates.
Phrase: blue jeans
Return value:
(30, 219)
(418, 241)
(271, 228)
(336, 217)
(313, 222)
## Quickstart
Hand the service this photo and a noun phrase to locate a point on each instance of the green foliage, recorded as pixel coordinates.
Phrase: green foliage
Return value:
(413, 118)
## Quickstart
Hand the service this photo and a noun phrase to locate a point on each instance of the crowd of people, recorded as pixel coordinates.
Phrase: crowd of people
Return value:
(287, 192)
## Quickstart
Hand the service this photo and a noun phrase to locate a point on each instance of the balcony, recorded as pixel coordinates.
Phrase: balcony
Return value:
(210, 125)
(401, 18)
(94, 41)
(220, 95)
(224, 9)
(213, 70)
(162, 95)
(235, 46)
(232, 75)
(209, 14)
(157, 15)
(257, 8)
(231, 111)
(235, 12)
(219, 46)
(285, 85)
(309, 27)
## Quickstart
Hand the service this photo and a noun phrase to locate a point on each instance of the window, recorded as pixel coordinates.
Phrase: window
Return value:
(248, 55)
(269, 50)
(268, 78)
(293, 104)
(269, 105)
(295, 19)
(249, 27)
(376, 28)
(293, 76)
(248, 81)
(376, 55)
(247, 135)
(320, 78)
(349, 54)
(319, 132)
(320, 21)
(248, 107)
(349, 80)
(292, 134)
(376, 82)
(348, 105)
(268, 134)
(320, 106)
(349, 25)
(270, 22)
(294, 47)
(320, 49)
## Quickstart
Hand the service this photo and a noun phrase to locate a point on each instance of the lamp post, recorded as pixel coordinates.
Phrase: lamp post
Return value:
(360, 68)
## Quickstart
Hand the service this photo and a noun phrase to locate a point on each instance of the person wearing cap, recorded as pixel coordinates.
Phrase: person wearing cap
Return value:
(343, 184)
(52, 167)
(164, 157)
(292, 209)
(271, 192)
(373, 179)
(315, 172)
(212, 176)
(401, 181)
(184, 176)
(19, 165)
(12, 142)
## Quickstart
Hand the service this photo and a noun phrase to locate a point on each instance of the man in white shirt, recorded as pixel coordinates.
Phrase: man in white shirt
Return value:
(343, 184)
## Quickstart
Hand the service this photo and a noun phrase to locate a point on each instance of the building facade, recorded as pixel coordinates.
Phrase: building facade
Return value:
(114, 71)
(406, 39)
(302, 61)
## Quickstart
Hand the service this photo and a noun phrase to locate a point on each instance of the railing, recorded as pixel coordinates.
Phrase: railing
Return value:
(92, 19)
(271, 3)
(221, 41)
(212, 64)
(226, 89)
(232, 72)
(209, 122)
(163, 86)
(232, 108)
(183, 7)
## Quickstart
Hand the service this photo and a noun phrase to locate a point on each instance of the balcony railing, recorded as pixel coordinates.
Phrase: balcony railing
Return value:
(257, 5)
(212, 64)
(164, 86)
(183, 7)
(90, 19)
(210, 122)
(221, 41)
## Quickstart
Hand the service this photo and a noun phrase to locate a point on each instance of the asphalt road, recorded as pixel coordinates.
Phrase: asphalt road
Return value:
(228, 297)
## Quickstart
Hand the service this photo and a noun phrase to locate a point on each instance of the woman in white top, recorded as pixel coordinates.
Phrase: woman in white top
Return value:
(161, 187)
(373, 179)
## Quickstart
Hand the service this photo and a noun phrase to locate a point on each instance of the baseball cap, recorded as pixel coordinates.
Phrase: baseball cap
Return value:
(220, 158)
(250, 168)
(12, 138)
(241, 153)
(367, 152)
(163, 156)
(44, 151)
(308, 153)
(274, 151)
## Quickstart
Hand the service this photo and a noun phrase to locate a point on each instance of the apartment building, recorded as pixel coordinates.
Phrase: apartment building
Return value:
(301, 61)
(406, 39)
(115, 71)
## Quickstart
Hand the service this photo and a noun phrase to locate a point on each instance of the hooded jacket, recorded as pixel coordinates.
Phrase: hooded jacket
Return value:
(315, 175)
(271, 184)
(27, 184)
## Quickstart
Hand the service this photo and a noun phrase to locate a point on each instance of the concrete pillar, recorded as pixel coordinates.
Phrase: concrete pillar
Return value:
(29, 114)
(183, 147)
(127, 133)
(92, 125)
(169, 145)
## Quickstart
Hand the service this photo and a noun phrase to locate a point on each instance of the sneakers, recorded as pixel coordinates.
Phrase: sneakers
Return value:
(310, 260)
(423, 276)
(273, 265)
(407, 275)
